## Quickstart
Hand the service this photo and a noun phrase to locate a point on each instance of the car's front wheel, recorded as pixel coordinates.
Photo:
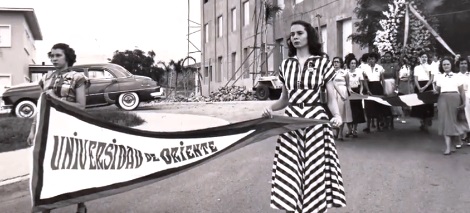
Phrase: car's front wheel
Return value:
(128, 101)
(25, 109)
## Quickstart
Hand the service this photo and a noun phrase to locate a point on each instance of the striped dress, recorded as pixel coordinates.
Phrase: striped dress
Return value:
(306, 172)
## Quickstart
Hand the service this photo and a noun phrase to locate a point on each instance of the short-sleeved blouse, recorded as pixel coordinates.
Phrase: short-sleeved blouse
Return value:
(304, 86)
(64, 84)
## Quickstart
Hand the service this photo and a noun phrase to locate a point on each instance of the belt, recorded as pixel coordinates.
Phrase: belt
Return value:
(450, 92)
(301, 105)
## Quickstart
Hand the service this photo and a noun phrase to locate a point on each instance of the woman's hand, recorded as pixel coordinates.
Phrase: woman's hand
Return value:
(267, 112)
(336, 121)
(369, 93)
(30, 139)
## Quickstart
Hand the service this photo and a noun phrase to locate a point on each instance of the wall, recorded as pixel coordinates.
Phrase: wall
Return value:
(334, 13)
(15, 60)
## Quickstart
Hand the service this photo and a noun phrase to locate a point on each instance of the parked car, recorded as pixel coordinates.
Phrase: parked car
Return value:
(109, 84)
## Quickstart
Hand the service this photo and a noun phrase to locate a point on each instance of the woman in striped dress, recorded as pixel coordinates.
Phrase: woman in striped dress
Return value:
(306, 173)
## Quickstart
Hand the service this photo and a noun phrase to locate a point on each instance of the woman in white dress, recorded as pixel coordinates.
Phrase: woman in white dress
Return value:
(451, 97)
(464, 76)
(355, 82)
(423, 78)
(342, 88)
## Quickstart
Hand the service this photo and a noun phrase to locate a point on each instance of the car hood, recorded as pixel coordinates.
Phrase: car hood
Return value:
(22, 88)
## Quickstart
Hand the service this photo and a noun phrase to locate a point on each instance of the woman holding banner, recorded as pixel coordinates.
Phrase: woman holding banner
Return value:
(64, 84)
(306, 159)
(355, 81)
(423, 78)
(451, 98)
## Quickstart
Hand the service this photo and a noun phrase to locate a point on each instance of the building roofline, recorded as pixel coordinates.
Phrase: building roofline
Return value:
(31, 19)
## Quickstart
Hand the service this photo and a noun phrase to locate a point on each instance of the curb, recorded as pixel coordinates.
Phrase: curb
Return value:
(203, 102)
(14, 180)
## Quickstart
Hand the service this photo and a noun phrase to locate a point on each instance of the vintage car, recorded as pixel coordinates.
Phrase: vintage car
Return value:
(109, 84)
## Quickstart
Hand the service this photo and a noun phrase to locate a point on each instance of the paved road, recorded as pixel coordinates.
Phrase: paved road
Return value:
(393, 171)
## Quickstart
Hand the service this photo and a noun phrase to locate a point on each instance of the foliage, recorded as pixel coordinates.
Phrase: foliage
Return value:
(369, 12)
(138, 63)
(14, 131)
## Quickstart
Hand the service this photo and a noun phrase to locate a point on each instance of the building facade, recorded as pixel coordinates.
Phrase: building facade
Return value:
(233, 52)
(19, 29)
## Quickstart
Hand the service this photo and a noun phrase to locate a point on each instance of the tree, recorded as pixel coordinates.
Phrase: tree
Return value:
(369, 12)
(138, 63)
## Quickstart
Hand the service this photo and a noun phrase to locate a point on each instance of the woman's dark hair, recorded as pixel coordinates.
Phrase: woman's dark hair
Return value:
(424, 53)
(314, 45)
(441, 69)
(69, 53)
(374, 55)
(341, 64)
(391, 55)
(457, 64)
(348, 64)
(348, 58)
(364, 57)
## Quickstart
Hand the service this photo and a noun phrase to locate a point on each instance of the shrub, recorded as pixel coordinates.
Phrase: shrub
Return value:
(14, 131)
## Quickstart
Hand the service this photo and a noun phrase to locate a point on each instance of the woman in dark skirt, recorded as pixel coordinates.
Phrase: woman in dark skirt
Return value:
(451, 98)
(355, 82)
(373, 86)
(423, 78)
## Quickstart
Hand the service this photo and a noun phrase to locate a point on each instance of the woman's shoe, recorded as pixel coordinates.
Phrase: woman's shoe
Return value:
(366, 130)
(81, 208)
(350, 133)
(355, 134)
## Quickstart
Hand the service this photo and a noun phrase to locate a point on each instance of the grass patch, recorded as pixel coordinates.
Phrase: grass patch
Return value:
(14, 131)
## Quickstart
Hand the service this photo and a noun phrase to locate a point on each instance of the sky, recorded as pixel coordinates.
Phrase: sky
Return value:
(97, 28)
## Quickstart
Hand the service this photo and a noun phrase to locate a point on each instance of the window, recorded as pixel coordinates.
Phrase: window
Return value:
(219, 71)
(234, 67)
(206, 72)
(99, 74)
(234, 19)
(324, 38)
(298, 1)
(246, 65)
(246, 13)
(220, 25)
(344, 28)
(5, 36)
(206, 32)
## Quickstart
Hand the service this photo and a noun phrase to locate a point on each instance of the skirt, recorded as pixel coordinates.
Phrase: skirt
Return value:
(344, 106)
(425, 110)
(372, 108)
(389, 90)
(357, 110)
(448, 124)
(306, 175)
(467, 110)
(404, 87)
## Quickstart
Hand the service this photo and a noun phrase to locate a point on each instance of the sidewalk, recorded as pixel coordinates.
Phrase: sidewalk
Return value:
(15, 165)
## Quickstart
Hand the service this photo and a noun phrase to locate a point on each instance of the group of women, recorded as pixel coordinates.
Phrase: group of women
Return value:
(307, 174)
(448, 77)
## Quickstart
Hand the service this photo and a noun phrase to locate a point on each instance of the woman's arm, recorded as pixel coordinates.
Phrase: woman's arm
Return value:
(462, 96)
(283, 101)
(332, 103)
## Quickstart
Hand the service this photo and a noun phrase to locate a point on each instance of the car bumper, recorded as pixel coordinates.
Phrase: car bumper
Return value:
(5, 108)
(160, 93)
